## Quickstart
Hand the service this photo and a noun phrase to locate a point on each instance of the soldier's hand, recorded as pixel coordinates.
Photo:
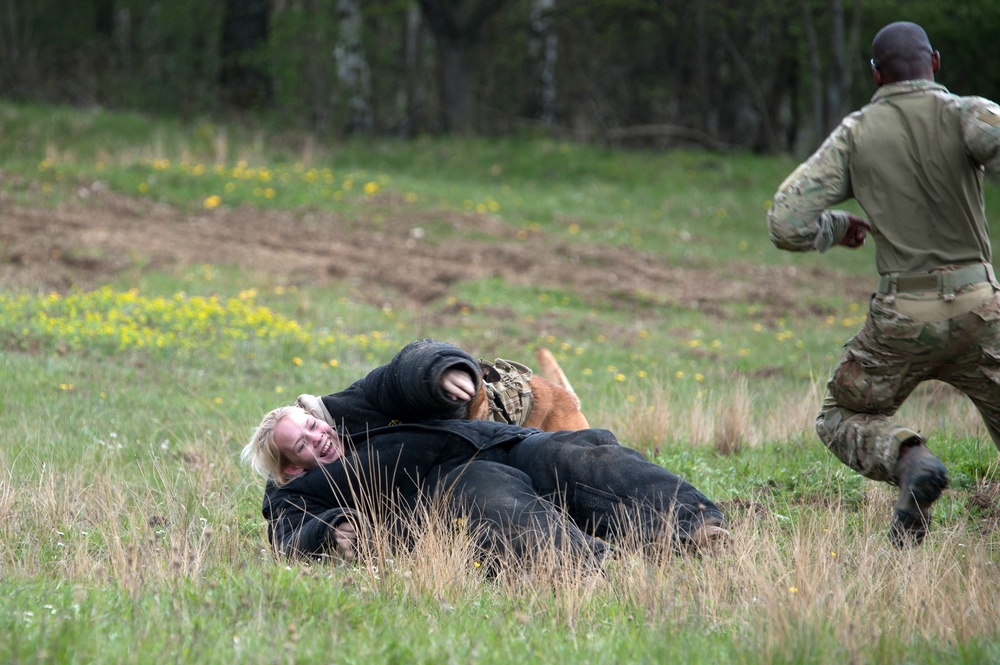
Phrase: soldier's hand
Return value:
(857, 231)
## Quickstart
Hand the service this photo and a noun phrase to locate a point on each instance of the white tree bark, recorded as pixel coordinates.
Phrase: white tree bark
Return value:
(353, 73)
(544, 47)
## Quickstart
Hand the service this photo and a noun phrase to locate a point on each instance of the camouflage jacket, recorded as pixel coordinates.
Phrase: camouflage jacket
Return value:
(913, 158)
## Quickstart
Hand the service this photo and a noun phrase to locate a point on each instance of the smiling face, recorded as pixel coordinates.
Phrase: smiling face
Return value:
(305, 442)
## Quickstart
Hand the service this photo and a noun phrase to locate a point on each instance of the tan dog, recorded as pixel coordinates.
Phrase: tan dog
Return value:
(512, 393)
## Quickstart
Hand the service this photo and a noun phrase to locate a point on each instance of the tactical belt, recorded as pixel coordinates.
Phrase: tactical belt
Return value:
(945, 282)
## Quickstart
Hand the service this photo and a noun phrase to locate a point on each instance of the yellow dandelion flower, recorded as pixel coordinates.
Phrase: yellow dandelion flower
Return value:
(679, 374)
(574, 229)
(619, 377)
(217, 400)
(212, 201)
(334, 362)
(793, 589)
(370, 188)
(699, 377)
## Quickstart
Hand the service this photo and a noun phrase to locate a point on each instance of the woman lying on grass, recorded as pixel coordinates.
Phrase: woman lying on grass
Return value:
(397, 438)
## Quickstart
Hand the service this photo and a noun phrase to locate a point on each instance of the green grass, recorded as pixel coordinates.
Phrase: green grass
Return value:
(130, 533)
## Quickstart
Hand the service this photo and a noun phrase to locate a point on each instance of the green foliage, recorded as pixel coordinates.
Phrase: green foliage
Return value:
(721, 72)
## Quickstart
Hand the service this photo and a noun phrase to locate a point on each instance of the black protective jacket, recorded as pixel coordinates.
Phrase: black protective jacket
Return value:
(518, 486)
(401, 434)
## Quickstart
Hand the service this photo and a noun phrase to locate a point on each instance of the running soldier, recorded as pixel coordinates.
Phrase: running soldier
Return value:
(913, 158)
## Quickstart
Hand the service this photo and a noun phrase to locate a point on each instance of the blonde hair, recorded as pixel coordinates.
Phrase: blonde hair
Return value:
(261, 451)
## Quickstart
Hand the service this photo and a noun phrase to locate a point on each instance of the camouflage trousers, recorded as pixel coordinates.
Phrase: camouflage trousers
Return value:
(908, 339)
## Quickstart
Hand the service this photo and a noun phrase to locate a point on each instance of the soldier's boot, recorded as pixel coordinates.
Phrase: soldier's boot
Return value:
(921, 477)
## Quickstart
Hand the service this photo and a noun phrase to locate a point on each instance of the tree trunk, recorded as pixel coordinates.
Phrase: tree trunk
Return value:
(545, 50)
(15, 56)
(769, 142)
(454, 81)
(352, 68)
(413, 93)
(816, 73)
(457, 34)
(701, 67)
(317, 70)
(244, 30)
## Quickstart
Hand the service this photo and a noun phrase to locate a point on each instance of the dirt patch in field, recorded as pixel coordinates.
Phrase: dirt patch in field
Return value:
(395, 255)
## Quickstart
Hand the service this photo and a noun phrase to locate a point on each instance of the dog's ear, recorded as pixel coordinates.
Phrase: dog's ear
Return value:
(490, 374)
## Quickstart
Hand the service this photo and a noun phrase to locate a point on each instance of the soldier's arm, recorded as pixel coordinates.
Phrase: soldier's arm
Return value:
(799, 219)
(981, 132)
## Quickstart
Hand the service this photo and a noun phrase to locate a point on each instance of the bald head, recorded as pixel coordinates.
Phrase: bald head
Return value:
(902, 52)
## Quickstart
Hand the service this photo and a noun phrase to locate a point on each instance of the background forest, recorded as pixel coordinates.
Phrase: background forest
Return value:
(768, 76)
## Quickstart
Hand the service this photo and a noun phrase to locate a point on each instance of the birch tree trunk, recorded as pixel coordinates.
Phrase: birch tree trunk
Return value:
(353, 73)
(544, 47)
(413, 92)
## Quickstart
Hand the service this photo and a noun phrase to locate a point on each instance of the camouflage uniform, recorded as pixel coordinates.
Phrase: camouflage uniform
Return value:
(914, 160)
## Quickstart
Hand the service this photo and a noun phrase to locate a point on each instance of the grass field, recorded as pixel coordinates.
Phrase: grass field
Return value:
(139, 348)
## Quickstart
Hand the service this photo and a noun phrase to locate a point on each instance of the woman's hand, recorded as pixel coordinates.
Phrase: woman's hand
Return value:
(345, 540)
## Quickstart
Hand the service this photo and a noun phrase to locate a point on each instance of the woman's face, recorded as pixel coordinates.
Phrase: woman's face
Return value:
(305, 442)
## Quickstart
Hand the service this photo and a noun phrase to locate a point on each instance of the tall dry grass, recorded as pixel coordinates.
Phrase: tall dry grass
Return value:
(735, 416)
(827, 569)
(823, 573)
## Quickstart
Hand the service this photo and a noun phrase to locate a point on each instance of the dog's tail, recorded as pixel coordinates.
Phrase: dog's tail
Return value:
(550, 369)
